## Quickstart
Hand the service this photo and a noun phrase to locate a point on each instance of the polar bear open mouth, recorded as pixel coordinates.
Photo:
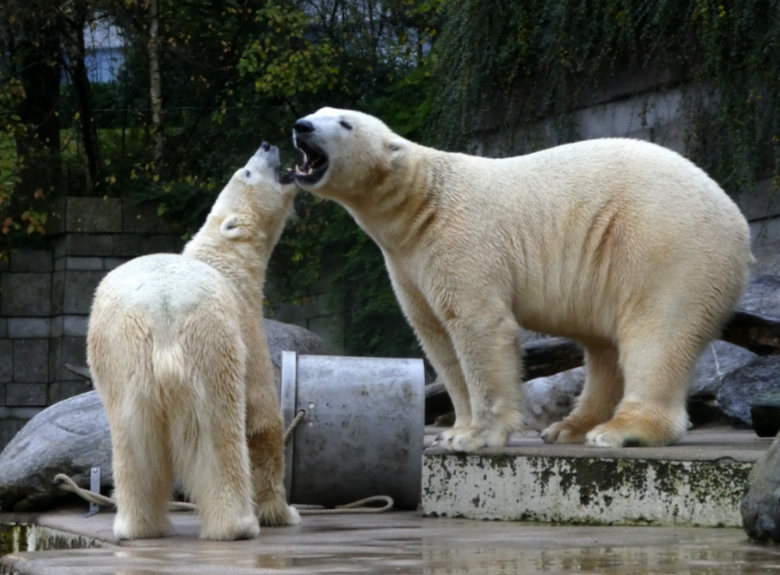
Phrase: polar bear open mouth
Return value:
(315, 163)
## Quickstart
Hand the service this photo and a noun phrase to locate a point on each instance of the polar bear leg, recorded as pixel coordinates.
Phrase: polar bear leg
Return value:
(266, 453)
(602, 391)
(489, 352)
(215, 471)
(657, 370)
(437, 345)
(209, 437)
(143, 471)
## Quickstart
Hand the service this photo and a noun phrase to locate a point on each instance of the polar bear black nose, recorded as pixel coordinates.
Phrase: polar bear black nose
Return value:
(265, 146)
(303, 127)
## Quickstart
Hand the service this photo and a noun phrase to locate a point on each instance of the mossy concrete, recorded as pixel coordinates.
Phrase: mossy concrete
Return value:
(699, 482)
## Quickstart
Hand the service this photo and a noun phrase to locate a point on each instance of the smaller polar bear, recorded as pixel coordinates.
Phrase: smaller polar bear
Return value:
(621, 244)
(179, 357)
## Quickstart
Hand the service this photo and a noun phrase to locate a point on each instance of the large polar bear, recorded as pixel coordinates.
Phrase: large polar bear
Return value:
(621, 244)
(179, 357)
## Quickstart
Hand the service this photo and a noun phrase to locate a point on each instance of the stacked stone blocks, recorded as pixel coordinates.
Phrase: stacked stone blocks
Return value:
(46, 293)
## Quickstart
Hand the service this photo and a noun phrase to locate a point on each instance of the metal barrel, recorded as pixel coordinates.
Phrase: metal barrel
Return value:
(362, 432)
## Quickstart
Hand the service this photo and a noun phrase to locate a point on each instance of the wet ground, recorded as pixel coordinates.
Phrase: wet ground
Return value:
(400, 543)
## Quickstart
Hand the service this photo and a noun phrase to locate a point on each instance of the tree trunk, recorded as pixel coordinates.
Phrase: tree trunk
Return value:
(40, 76)
(74, 21)
(155, 83)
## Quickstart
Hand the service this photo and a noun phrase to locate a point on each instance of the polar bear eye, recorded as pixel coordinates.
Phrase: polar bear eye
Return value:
(247, 173)
(345, 124)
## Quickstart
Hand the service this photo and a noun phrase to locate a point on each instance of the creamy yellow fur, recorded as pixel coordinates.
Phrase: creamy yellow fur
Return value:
(621, 244)
(179, 358)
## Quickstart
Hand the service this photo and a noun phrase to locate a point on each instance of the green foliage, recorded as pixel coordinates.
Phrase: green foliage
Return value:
(544, 58)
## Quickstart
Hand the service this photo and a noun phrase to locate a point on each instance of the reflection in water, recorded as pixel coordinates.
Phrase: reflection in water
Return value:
(691, 559)
(394, 545)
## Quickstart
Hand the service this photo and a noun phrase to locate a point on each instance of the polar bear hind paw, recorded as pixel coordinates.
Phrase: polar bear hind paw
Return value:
(124, 528)
(277, 513)
(245, 527)
(470, 438)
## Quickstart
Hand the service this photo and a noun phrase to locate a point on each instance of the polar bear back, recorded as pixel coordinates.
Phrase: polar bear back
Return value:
(586, 229)
(163, 285)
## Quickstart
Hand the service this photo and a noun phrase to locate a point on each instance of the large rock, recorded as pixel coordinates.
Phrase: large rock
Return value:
(741, 387)
(69, 437)
(761, 504)
(72, 436)
(762, 295)
(550, 399)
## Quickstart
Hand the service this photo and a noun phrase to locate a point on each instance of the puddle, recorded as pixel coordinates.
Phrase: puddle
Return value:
(701, 559)
(397, 545)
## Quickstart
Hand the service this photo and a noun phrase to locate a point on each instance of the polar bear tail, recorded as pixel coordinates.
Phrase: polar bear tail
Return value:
(167, 362)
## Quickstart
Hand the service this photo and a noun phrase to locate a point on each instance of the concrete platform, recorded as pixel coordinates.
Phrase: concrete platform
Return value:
(698, 482)
(396, 543)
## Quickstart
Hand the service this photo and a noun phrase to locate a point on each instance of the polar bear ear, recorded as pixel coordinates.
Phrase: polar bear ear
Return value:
(397, 150)
(232, 227)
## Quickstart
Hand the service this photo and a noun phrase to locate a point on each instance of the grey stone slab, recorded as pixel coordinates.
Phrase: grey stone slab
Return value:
(61, 390)
(31, 261)
(133, 245)
(113, 263)
(142, 218)
(93, 215)
(6, 360)
(29, 327)
(26, 294)
(57, 291)
(26, 394)
(79, 290)
(9, 427)
(75, 325)
(31, 360)
(75, 244)
(66, 349)
(84, 263)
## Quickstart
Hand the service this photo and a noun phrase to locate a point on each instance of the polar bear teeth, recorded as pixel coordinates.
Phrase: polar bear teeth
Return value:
(306, 171)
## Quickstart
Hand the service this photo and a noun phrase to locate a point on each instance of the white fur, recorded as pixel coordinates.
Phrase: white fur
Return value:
(621, 244)
(179, 357)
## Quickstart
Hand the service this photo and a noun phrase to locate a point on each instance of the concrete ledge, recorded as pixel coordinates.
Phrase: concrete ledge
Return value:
(698, 482)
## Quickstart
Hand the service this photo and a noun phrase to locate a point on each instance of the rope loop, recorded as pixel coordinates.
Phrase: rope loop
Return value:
(356, 507)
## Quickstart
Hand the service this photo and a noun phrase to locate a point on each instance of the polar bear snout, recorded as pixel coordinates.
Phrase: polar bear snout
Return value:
(303, 127)
(268, 155)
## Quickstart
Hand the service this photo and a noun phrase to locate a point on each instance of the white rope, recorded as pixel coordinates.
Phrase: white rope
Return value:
(356, 507)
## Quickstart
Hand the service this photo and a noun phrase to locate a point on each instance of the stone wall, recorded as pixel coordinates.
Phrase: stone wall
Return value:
(45, 295)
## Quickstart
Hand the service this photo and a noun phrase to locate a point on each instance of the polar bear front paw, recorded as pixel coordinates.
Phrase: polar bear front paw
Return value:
(470, 438)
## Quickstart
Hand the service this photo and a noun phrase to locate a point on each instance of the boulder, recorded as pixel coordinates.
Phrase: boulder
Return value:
(289, 337)
(550, 399)
(740, 388)
(69, 437)
(761, 504)
(72, 436)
